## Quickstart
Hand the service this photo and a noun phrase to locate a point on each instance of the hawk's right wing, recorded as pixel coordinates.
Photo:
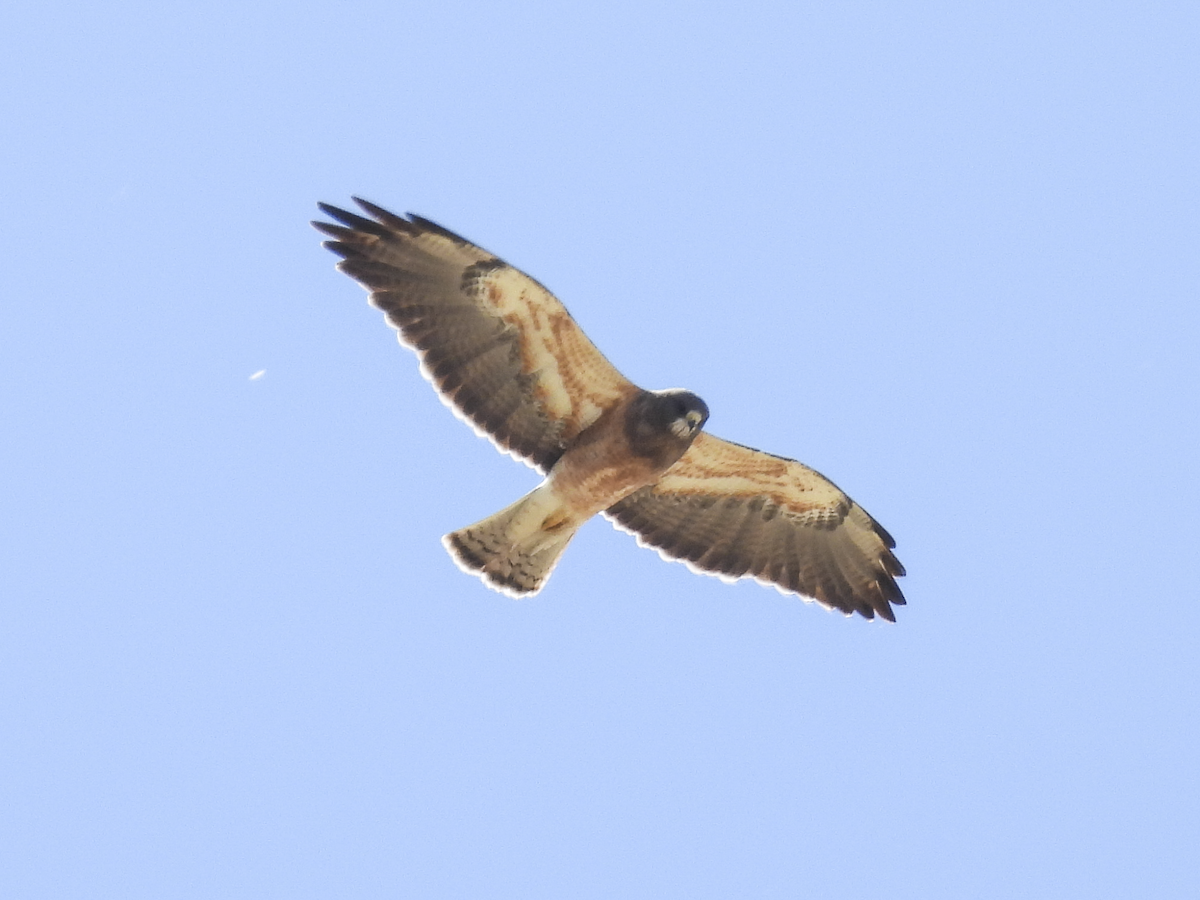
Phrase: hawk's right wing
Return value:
(499, 348)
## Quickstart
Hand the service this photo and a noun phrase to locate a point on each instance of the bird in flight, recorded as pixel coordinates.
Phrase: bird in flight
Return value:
(506, 355)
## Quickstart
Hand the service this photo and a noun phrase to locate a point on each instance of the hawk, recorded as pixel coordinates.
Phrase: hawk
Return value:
(504, 353)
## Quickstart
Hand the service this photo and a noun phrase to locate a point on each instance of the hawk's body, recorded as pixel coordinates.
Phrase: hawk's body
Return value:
(516, 548)
(504, 352)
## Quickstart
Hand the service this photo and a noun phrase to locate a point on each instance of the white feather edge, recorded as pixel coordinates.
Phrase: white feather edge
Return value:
(709, 573)
(491, 586)
(448, 400)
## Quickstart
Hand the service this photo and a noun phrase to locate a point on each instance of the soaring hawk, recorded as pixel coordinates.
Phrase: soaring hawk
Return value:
(503, 351)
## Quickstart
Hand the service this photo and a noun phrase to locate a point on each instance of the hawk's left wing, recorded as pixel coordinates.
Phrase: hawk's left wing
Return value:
(737, 512)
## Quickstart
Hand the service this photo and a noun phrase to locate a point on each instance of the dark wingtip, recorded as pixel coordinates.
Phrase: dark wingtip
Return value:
(339, 248)
(337, 231)
(385, 222)
(334, 212)
(385, 216)
(884, 536)
(428, 225)
(353, 220)
(889, 595)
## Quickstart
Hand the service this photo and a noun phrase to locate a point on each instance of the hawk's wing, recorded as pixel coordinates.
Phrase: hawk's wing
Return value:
(499, 348)
(734, 511)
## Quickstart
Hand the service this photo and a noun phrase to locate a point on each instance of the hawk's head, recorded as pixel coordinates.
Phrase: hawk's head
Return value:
(663, 424)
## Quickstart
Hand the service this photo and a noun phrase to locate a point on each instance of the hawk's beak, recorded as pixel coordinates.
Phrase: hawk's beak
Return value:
(686, 427)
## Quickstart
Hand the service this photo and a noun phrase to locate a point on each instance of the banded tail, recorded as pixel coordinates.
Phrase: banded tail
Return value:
(516, 549)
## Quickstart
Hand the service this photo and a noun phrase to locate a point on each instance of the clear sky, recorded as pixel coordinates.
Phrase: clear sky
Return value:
(947, 254)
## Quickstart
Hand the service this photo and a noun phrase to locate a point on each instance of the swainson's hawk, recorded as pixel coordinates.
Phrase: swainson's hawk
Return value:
(503, 351)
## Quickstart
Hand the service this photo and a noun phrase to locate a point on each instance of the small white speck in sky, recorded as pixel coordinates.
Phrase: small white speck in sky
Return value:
(259, 374)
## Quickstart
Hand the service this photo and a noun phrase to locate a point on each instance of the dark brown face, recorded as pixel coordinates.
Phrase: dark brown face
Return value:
(663, 424)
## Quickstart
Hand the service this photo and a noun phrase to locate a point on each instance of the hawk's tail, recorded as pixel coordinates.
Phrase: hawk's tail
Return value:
(516, 549)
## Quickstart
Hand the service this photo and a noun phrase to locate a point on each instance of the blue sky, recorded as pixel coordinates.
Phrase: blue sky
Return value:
(947, 254)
